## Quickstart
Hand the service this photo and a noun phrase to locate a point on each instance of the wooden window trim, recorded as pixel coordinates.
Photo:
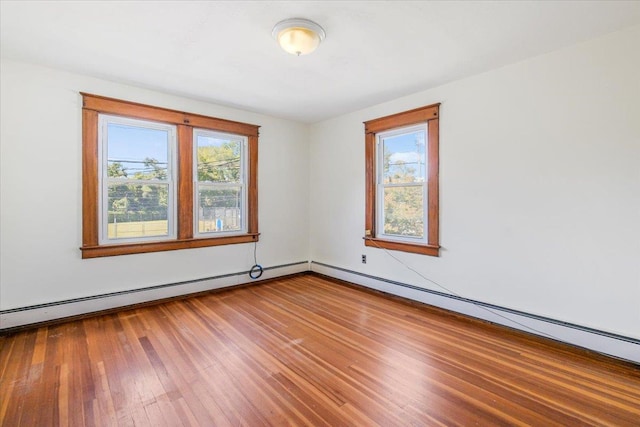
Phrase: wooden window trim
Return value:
(429, 114)
(93, 105)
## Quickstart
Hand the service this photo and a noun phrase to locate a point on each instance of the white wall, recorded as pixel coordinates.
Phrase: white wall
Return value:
(41, 194)
(540, 187)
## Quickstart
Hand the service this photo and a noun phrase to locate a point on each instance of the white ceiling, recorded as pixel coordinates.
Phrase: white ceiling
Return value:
(223, 52)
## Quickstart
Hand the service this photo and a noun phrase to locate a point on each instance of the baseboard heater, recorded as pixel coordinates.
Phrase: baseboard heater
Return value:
(18, 318)
(610, 344)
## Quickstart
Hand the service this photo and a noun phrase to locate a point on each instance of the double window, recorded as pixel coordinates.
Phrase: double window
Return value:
(402, 181)
(157, 179)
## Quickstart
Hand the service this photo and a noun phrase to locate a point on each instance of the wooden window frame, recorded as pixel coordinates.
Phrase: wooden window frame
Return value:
(92, 107)
(430, 115)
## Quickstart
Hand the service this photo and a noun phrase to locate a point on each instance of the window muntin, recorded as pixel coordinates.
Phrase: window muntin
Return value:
(137, 189)
(220, 183)
(402, 184)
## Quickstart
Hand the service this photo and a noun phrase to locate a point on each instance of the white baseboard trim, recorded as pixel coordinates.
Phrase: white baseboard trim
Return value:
(24, 316)
(602, 342)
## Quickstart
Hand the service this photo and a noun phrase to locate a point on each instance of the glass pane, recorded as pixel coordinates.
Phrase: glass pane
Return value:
(137, 152)
(404, 158)
(219, 209)
(136, 210)
(218, 158)
(403, 211)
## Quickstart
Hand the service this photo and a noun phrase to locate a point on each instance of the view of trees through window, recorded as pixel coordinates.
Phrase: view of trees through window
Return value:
(403, 183)
(219, 181)
(137, 181)
(137, 209)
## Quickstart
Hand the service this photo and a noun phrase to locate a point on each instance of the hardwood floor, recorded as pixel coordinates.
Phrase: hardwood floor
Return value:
(304, 351)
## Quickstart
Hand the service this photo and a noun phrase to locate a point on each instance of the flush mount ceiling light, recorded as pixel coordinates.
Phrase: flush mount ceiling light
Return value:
(298, 36)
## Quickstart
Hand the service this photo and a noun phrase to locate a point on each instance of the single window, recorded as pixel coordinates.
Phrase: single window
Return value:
(402, 181)
(156, 179)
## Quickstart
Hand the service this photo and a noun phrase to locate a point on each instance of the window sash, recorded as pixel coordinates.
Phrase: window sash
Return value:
(382, 217)
(104, 120)
(199, 185)
(381, 186)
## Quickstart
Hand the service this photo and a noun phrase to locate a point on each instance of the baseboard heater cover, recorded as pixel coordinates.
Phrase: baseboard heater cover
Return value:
(23, 316)
(614, 345)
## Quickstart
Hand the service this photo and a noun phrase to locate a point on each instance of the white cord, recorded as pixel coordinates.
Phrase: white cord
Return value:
(467, 299)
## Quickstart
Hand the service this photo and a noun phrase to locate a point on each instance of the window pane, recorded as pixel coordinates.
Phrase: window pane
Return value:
(218, 158)
(403, 211)
(404, 158)
(219, 209)
(136, 210)
(137, 152)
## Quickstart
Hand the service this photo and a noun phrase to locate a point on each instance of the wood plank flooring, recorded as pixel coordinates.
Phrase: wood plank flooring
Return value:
(304, 350)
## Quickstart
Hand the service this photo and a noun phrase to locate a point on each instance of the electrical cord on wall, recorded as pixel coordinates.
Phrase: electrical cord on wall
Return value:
(257, 270)
(460, 296)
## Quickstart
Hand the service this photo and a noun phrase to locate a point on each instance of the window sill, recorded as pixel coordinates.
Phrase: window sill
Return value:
(169, 245)
(430, 250)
